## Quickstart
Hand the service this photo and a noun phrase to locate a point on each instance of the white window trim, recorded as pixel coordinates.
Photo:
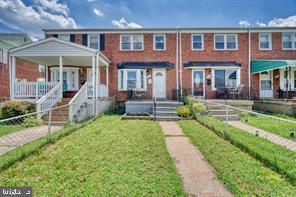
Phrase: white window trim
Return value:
(138, 79)
(68, 35)
(154, 42)
(88, 39)
(202, 42)
(282, 78)
(131, 44)
(225, 42)
(204, 81)
(269, 34)
(57, 69)
(293, 40)
(238, 75)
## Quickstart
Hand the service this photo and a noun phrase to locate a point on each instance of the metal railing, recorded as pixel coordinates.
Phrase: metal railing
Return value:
(49, 100)
(32, 90)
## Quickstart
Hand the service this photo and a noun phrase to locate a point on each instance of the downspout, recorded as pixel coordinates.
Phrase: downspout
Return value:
(249, 62)
(180, 65)
(177, 64)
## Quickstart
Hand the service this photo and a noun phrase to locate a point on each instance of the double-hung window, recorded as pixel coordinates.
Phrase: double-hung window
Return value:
(226, 78)
(65, 37)
(197, 42)
(289, 40)
(132, 42)
(93, 41)
(3, 56)
(225, 42)
(132, 79)
(159, 41)
(265, 41)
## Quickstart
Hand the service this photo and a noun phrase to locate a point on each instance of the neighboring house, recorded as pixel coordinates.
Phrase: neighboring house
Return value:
(161, 62)
(25, 71)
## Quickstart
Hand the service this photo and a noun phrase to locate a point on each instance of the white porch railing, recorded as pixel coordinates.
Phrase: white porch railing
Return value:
(32, 90)
(49, 100)
(77, 101)
(102, 90)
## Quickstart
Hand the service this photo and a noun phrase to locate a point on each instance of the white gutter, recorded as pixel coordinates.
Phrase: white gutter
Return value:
(177, 63)
(249, 63)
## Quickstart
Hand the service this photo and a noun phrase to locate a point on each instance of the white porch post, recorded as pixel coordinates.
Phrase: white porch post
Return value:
(61, 72)
(107, 80)
(12, 78)
(94, 84)
(46, 73)
(98, 80)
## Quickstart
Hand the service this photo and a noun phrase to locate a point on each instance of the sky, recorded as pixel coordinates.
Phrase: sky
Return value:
(31, 16)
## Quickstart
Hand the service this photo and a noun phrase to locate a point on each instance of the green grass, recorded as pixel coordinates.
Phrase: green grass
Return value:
(271, 125)
(7, 129)
(242, 174)
(108, 157)
(272, 155)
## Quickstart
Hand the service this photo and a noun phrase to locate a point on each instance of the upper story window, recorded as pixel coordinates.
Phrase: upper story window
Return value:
(265, 41)
(65, 37)
(93, 41)
(159, 42)
(132, 42)
(197, 42)
(3, 56)
(289, 40)
(225, 42)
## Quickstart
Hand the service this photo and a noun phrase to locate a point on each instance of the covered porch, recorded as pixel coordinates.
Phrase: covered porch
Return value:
(274, 79)
(63, 61)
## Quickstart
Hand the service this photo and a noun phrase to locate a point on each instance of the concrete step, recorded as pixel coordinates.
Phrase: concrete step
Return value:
(209, 107)
(165, 108)
(223, 117)
(221, 112)
(168, 118)
(168, 104)
(166, 113)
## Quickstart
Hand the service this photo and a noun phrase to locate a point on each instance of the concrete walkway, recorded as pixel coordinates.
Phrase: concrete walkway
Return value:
(289, 144)
(197, 175)
(19, 138)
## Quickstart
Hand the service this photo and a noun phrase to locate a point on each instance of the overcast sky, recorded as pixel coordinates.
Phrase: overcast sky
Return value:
(30, 16)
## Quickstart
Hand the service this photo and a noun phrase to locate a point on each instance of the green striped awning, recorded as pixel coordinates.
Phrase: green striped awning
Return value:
(264, 65)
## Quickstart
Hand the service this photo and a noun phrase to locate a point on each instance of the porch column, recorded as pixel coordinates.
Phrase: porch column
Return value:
(61, 72)
(107, 79)
(98, 81)
(12, 77)
(94, 83)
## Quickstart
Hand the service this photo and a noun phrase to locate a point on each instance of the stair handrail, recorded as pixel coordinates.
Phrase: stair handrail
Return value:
(49, 100)
(79, 97)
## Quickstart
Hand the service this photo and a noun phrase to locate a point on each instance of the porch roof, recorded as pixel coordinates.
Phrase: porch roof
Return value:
(143, 65)
(265, 65)
(47, 52)
(210, 64)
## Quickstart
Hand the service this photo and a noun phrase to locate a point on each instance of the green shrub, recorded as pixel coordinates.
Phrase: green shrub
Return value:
(32, 121)
(246, 115)
(199, 108)
(184, 100)
(11, 109)
(184, 111)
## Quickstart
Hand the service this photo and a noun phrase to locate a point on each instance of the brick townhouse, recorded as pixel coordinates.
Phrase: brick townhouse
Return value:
(163, 62)
(25, 71)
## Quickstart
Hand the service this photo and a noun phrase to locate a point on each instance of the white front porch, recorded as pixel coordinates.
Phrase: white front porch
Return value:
(61, 55)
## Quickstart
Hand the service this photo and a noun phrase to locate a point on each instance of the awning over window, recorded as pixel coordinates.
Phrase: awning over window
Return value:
(210, 64)
(265, 65)
(143, 65)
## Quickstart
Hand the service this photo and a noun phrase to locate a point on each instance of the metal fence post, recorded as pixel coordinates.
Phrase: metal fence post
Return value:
(49, 125)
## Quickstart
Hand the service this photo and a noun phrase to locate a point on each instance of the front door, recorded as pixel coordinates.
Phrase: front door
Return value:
(198, 83)
(266, 87)
(159, 83)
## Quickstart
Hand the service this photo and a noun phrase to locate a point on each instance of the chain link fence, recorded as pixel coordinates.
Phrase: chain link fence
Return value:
(267, 138)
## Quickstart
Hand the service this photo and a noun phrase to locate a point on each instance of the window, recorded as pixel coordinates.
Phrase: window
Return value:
(65, 37)
(131, 79)
(159, 42)
(225, 42)
(41, 68)
(93, 41)
(70, 78)
(225, 78)
(197, 42)
(131, 42)
(265, 41)
(3, 56)
(289, 41)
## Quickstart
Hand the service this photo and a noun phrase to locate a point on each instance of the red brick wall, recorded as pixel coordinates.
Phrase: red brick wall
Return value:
(24, 70)
(209, 54)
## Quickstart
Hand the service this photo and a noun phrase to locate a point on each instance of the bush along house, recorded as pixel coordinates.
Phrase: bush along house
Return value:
(163, 64)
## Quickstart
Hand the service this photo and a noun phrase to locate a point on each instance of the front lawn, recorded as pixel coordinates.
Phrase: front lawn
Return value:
(108, 157)
(271, 125)
(242, 174)
(7, 129)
